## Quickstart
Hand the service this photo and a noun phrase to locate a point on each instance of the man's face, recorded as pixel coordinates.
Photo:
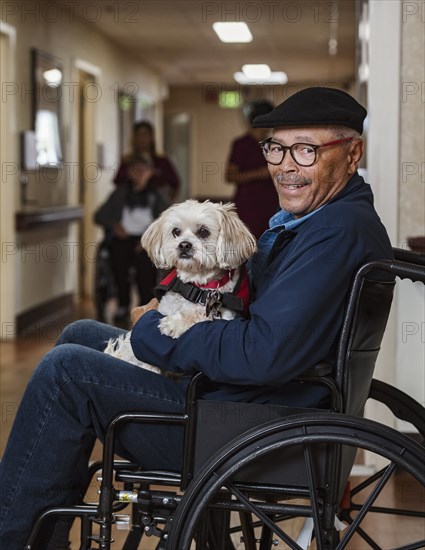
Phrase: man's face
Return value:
(304, 189)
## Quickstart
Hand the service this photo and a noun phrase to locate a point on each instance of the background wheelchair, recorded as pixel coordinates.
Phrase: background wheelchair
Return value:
(252, 471)
(104, 286)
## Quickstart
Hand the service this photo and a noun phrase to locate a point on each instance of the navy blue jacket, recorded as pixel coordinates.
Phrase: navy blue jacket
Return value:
(295, 317)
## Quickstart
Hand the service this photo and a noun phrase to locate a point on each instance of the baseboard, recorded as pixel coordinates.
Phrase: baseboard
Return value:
(50, 312)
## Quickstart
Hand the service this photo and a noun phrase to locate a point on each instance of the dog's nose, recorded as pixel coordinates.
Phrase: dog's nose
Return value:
(185, 246)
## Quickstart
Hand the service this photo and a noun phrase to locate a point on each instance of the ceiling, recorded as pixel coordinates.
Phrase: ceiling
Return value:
(176, 39)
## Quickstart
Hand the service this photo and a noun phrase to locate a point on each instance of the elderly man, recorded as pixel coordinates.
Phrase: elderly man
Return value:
(326, 227)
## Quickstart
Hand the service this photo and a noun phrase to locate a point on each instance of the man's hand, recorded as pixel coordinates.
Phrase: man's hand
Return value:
(137, 312)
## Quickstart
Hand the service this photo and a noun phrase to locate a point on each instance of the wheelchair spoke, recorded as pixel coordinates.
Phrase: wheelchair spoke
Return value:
(313, 493)
(362, 533)
(264, 518)
(367, 505)
(247, 528)
(369, 481)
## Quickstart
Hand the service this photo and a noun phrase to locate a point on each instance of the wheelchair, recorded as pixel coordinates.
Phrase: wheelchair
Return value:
(251, 472)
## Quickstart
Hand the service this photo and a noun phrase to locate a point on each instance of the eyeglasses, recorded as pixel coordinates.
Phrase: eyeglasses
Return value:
(304, 154)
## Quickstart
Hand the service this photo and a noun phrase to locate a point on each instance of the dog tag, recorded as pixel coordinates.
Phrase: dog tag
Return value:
(213, 304)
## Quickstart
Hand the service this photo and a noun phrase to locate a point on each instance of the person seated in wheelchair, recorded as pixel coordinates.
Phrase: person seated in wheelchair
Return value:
(125, 215)
(325, 228)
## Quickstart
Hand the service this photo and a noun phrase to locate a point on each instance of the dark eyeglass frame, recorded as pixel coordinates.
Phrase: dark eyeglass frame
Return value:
(285, 148)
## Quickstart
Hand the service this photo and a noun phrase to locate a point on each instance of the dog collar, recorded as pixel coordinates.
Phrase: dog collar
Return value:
(238, 300)
(217, 284)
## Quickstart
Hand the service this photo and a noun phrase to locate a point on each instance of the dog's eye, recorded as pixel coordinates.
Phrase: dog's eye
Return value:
(176, 232)
(203, 233)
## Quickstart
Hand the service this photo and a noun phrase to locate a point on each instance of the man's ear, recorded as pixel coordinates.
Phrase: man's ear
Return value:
(354, 156)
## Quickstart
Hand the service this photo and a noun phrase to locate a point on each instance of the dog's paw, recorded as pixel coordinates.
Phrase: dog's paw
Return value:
(173, 326)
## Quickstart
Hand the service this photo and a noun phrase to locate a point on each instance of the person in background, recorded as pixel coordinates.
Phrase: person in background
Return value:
(255, 197)
(126, 214)
(164, 177)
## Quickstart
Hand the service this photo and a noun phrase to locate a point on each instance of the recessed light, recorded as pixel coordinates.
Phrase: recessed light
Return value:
(232, 32)
(275, 77)
(259, 70)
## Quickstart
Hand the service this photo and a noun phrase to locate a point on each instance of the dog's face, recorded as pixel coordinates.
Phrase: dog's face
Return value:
(198, 239)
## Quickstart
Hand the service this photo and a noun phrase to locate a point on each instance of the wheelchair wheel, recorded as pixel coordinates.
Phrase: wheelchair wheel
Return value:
(410, 411)
(268, 513)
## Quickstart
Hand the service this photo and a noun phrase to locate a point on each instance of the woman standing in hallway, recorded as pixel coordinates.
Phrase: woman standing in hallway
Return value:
(165, 177)
(255, 196)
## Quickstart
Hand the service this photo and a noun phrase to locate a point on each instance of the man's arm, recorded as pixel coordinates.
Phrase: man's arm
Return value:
(293, 323)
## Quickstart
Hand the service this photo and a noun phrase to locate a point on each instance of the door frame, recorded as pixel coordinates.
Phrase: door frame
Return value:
(9, 188)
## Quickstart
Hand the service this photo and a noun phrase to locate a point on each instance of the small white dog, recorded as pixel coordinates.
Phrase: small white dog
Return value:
(207, 245)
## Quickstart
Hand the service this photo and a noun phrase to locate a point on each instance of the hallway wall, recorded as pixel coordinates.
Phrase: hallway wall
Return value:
(43, 263)
(395, 166)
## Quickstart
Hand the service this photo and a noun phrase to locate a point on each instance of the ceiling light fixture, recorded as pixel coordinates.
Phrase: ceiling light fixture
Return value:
(256, 70)
(232, 32)
(275, 77)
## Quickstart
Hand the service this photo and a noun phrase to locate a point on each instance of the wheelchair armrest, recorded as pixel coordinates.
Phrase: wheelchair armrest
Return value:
(195, 387)
(409, 256)
(321, 369)
(322, 374)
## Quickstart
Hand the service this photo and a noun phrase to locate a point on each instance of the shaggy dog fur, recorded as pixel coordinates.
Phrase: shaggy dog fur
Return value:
(203, 242)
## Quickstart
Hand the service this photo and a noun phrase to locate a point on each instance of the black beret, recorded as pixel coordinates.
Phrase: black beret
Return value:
(315, 107)
(257, 108)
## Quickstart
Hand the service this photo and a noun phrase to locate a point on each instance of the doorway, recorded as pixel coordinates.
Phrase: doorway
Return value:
(177, 144)
(9, 184)
(87, 177)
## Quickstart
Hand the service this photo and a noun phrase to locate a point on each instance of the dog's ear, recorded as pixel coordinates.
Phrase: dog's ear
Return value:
(235, 243)
(152, 242)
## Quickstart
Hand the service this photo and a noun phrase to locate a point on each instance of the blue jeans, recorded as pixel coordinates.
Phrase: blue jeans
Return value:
(73, 394)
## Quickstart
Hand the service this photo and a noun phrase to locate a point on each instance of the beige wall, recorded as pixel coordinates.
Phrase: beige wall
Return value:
(395, 155)
(410, 374)
(214, 128)
(412, 128)
(37, 277)
(8, 187)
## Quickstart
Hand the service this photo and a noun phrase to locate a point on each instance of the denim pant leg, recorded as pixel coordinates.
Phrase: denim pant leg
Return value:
(89, 333)
(94, 335)
(73, 394)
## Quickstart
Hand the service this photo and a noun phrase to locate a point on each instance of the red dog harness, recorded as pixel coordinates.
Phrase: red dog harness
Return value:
(209, 294)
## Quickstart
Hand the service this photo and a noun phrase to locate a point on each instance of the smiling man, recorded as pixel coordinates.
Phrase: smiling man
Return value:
(315, 149)
(326, 228)
(305, 182)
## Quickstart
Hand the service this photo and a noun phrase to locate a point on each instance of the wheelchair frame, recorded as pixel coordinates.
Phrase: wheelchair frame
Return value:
(325, 440)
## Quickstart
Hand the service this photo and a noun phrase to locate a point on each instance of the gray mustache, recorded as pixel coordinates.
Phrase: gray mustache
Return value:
(291, 179)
